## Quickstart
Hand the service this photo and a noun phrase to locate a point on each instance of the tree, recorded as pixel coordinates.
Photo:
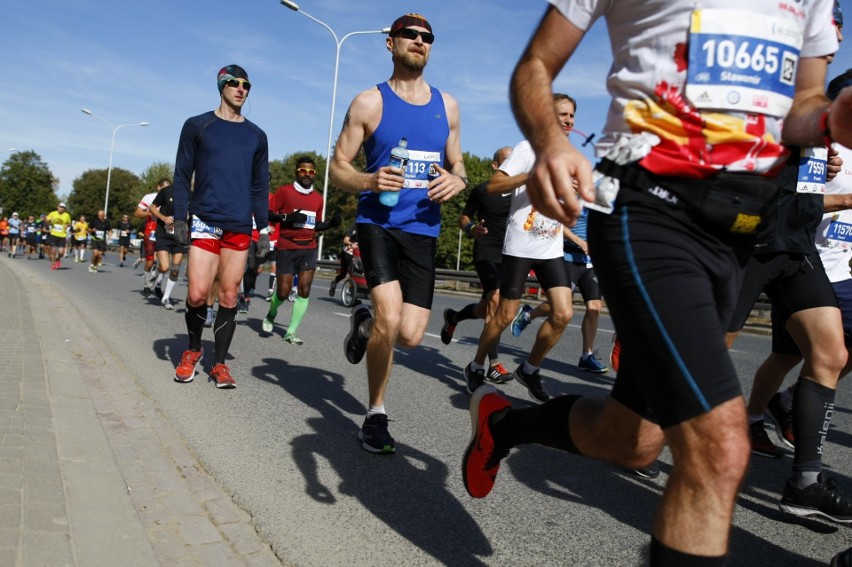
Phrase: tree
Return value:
(87, 196)
(27, 185)
(152, 175)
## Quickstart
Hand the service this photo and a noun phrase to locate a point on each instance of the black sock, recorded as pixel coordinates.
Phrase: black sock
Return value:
(662, 556)
(494, 352)
(813, 406)
(195, 318)
(467, 312)
(249, 279)
(546, 424)
(223, 331)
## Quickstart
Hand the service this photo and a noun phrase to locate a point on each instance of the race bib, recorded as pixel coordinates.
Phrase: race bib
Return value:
(99, 235)
(200, 229)
(812, 169)
(421, 169)
(742, 61)
(839, 234)
(310, 223)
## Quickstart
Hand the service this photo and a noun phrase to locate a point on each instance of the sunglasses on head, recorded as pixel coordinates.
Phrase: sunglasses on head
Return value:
(304, 171)
(234, 83)
(408, 33)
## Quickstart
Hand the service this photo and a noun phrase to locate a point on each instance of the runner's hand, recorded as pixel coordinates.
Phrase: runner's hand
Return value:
(181, 233)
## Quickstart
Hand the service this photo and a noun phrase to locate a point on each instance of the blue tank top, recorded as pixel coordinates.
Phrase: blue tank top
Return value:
(426, 128)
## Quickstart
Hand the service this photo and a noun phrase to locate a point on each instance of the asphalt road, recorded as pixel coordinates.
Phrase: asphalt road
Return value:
(283, 443)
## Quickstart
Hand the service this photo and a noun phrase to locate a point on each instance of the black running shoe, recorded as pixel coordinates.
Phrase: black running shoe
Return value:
(532, 382)
(449, 328)
(374, 435)
(355, 344)
(159, 291)
(822, 498)
(498, 374)
(473, 379)
(761, 444)
(650, 472)
(783, 421)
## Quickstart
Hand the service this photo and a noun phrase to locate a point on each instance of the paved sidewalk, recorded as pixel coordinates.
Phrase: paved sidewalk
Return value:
(90, 472)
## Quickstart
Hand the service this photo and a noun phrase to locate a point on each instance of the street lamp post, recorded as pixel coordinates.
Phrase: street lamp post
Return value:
(111, 149)
(339, 43)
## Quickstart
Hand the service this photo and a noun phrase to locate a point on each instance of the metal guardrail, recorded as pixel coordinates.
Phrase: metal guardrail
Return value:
(453, 279)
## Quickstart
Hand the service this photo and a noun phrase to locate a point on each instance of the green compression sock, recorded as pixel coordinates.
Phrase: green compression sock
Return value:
(273, 306)
(300, 307)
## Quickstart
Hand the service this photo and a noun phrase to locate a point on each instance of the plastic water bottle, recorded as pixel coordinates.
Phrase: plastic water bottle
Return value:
(399, 160)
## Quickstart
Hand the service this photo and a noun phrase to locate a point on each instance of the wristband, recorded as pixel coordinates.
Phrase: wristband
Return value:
(468, 227)
(825, 129)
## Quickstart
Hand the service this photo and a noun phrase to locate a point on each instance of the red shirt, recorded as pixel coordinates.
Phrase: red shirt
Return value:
(287, 200)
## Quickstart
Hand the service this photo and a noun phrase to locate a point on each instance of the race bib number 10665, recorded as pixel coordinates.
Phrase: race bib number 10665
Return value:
(742, 61)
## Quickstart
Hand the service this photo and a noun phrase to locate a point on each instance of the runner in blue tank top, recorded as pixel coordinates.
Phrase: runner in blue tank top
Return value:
(397, 243)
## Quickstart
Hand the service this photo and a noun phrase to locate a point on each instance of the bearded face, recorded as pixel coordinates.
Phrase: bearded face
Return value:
(411, 54)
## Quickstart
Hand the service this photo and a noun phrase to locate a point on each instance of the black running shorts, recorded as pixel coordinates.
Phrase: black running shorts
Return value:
(584, 278)
(289, 262)
(393, 255)
(550, 273)
(489, 275)
(670, 286)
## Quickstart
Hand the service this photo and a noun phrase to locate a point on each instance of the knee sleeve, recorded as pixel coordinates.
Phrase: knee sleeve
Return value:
(174, 272)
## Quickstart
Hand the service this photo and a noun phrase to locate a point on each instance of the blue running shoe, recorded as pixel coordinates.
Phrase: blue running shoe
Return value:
(522, 319)
(590, 363)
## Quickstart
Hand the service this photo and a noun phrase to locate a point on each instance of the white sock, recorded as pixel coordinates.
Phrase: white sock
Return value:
(376, 410)
(170, 285)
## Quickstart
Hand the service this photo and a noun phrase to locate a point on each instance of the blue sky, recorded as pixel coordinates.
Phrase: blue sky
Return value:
(156, 61)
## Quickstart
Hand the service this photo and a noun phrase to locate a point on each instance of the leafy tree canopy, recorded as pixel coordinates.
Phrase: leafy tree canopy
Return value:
(27, 185)
(87, 196)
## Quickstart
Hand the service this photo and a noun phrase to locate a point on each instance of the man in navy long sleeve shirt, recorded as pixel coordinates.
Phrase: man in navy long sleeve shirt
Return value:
(229, 157)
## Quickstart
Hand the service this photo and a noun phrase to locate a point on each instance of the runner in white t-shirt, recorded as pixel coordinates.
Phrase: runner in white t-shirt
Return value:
(533, 242)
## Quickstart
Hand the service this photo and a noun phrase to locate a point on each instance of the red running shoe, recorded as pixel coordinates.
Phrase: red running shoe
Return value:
(222, 375)
(615, 353)
(185, 371)
(482, 458)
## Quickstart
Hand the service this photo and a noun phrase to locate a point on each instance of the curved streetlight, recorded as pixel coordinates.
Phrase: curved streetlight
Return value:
(111, 148)
(339, 42)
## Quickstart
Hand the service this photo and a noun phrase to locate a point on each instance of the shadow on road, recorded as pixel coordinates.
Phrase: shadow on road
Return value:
(407, 491)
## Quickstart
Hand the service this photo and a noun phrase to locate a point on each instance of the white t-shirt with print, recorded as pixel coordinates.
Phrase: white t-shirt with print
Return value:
(529, 234)
(834, 233)
(712, 84)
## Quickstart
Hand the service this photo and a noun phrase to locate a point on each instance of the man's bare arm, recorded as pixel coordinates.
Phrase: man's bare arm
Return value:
(550, 183)
(356, 127)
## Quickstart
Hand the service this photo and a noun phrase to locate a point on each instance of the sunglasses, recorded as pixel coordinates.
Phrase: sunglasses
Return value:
(234, 83)
(303, 171)
(408, 33)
